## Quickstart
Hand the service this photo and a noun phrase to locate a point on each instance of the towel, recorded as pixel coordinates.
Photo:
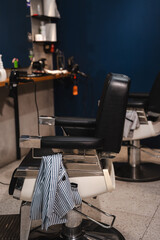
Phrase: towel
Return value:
(131, 123)
(53, 195)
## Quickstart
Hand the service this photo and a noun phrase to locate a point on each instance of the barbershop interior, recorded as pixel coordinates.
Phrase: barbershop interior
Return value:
(80, 120)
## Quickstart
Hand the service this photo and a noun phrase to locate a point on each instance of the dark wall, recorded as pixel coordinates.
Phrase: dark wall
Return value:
(14, 26)
(107, 36)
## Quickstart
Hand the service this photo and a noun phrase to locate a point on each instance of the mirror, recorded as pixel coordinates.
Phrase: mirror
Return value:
(15, 24)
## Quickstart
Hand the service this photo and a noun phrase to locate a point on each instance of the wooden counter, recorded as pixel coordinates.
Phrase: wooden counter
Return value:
(39, 78)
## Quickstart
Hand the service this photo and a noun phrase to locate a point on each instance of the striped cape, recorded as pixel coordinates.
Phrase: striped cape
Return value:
(53, 195)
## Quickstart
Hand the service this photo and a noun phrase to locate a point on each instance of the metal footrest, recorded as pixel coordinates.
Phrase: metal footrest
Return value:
(99, 210)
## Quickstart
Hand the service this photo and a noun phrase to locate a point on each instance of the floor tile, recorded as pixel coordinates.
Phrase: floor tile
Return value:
(8, 205)
(131, 226)
(7, 171)
(132, 198)
(153, 231)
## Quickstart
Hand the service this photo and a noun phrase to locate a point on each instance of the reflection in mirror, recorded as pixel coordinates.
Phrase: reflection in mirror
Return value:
(14, 28)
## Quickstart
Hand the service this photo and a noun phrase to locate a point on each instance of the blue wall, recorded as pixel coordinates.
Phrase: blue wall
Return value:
(14, 26)
(107, 36)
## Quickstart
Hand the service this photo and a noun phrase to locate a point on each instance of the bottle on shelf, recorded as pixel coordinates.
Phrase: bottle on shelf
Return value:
(43, 30)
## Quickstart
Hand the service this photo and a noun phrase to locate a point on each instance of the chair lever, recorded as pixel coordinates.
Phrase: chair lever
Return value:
(99, 210)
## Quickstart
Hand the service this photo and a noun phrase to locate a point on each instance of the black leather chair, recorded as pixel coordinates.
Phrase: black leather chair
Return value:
(88, 161)
(147, 106)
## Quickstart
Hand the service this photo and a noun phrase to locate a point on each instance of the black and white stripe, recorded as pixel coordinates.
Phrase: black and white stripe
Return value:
(53, 196)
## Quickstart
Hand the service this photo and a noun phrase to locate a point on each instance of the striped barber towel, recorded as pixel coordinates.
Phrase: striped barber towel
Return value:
(53, 195)
(131, 123)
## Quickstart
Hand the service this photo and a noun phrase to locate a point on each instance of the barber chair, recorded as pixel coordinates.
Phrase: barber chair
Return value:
(87, 156)
(147, 107)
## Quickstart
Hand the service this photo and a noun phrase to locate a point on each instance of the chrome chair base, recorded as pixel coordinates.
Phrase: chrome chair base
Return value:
(88, 231)
(143, 172)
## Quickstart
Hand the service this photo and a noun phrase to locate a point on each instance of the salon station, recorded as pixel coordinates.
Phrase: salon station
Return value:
(80, 120)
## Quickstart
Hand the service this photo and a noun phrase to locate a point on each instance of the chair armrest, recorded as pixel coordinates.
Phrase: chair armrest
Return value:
(68, 121)
(75, 122)
(71, 142)
(61, 142)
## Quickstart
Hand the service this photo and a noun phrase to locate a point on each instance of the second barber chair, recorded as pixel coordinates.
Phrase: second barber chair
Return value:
(147, 107)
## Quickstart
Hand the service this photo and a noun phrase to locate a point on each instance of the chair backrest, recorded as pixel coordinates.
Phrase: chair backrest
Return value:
(111, 112)
(154, 96)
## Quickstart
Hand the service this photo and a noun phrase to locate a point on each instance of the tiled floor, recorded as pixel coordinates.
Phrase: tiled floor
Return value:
(136, 205)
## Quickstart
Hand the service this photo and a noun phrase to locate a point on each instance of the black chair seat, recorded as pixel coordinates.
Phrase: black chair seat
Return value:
(71, 142)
